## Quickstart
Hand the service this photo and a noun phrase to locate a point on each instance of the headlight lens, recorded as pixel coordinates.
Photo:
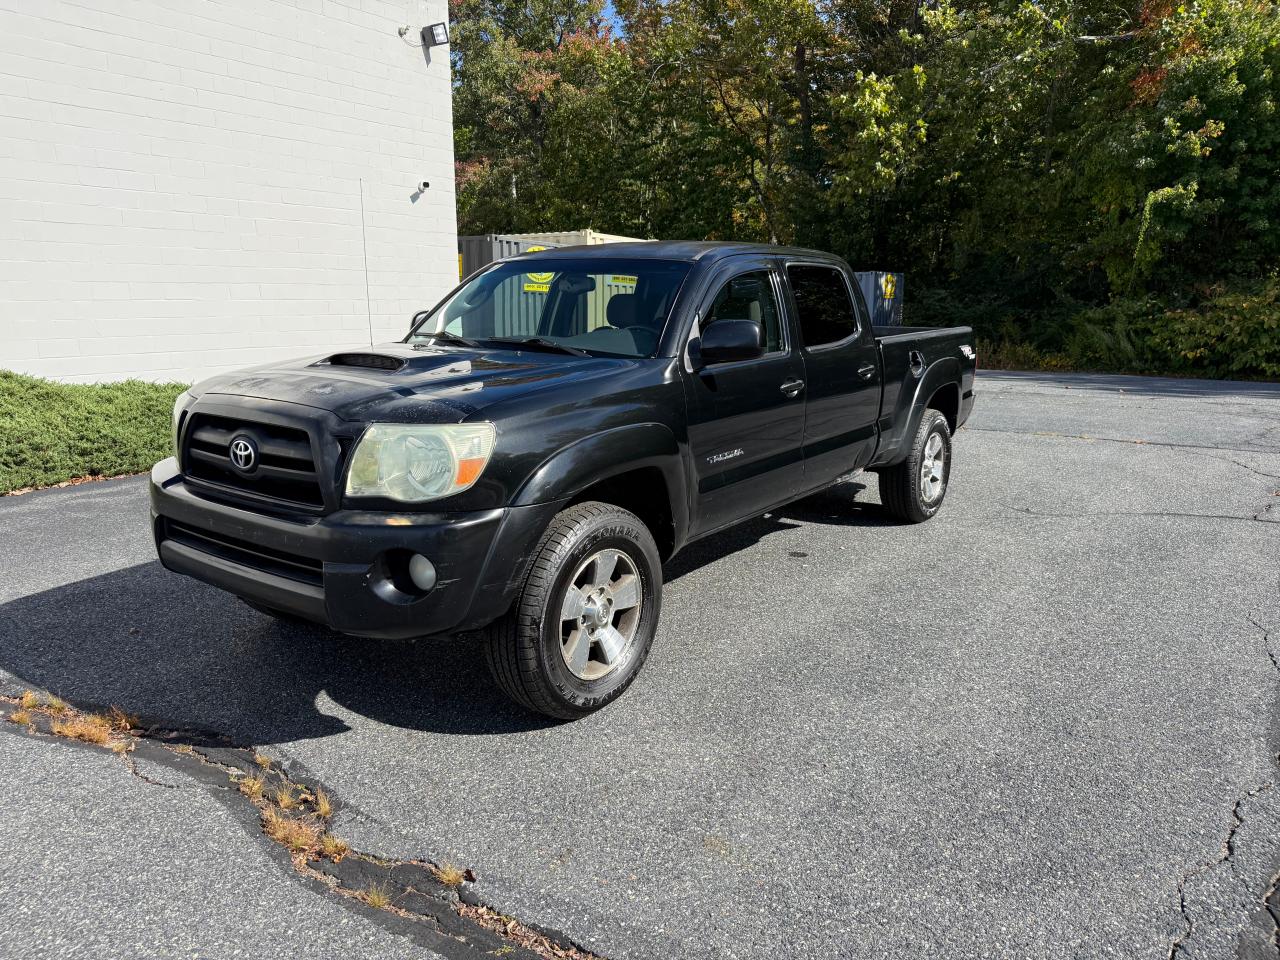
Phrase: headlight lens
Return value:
(413, 463)
(179, 407)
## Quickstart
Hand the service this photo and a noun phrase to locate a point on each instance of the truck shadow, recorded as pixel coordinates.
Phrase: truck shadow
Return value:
(840, 505)
(184, 655)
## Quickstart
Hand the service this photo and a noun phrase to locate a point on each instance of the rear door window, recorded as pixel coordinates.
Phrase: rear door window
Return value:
(824, 309)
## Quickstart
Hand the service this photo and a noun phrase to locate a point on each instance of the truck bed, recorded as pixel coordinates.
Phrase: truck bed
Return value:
(897, 344)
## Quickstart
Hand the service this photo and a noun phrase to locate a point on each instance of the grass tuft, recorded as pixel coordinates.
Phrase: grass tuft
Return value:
(298, 836)
(56, 706)
(251, 787)
(122, 722)
(20, 716)
(324, 806)
(30, 700)
(449, 875)
(286, 799)
(377, 896)
(87, 729)
(262, 760)
(333, 847)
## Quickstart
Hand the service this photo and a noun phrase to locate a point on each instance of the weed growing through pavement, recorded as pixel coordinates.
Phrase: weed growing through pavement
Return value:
(286, 799)
(377, 896)
(296, 834)
(333, 847)
(324, 806)
(449, 875)
(87, 728)
(122, 722)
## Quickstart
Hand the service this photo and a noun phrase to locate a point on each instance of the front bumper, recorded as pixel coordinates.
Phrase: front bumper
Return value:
(334, 569)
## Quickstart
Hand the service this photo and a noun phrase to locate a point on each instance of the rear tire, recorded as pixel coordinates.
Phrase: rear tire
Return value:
(583, 623)
(914, 489)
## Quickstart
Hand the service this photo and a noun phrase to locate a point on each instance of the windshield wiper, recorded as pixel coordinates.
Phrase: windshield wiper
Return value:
(540, 342)
(446, 335)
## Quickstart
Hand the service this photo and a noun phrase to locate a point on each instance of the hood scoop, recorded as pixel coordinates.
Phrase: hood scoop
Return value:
(366, 361)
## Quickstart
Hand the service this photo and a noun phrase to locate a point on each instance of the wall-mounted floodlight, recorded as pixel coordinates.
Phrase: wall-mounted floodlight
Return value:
(436, 35)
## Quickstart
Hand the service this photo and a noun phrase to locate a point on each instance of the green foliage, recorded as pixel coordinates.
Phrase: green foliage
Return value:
(51, 432)
(1062, 173)
(1234, 332)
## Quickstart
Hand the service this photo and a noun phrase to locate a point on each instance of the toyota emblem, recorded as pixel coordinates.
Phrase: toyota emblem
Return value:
(244, 454)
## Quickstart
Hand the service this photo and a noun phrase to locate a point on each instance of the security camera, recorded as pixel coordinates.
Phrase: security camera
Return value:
(423, 186)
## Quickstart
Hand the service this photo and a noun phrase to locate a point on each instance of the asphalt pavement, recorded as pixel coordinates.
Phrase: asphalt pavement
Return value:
(1044, 723)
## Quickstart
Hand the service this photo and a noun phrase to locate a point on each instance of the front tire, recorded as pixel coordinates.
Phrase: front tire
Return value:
(914, 489)
(584, 621)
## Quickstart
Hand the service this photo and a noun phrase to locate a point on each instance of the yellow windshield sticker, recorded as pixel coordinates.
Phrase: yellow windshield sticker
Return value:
(540, 281)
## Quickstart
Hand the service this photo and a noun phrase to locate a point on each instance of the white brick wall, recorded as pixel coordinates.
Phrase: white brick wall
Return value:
(180, 181)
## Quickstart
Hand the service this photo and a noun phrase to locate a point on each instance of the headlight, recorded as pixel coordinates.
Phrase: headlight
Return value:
(413, 463)
(179, 408)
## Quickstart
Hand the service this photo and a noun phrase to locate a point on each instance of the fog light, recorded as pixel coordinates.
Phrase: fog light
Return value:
(421, 572)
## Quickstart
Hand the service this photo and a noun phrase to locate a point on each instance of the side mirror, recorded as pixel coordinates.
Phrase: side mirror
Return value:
(727, 340)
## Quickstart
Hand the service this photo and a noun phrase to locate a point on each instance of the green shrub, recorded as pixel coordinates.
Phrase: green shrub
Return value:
(1234, 333)
(51, 432)
(1115, 338)
(1009, 354)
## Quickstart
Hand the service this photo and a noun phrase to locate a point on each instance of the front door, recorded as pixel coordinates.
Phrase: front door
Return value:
(746, 418)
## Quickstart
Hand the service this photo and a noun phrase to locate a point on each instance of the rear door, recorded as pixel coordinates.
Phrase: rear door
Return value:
(746, 418)
(842, 370)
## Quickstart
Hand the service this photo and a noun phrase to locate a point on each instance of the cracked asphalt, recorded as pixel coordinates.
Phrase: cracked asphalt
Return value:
(1042, 724)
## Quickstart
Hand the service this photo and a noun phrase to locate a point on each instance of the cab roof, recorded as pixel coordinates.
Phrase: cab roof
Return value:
(687, 250)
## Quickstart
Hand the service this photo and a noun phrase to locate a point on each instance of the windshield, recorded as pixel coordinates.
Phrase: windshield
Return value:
(608, 306)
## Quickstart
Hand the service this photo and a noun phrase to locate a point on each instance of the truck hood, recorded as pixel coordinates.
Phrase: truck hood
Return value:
(437, 384)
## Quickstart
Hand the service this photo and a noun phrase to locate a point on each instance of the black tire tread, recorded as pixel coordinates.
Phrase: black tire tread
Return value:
(511, 642)
(899, 490)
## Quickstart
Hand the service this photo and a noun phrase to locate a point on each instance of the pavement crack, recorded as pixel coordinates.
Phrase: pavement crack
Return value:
(132, 767)
(428, 900)
(1226, 855)
(1166, 514)
(1199, 448)
(1266, 642)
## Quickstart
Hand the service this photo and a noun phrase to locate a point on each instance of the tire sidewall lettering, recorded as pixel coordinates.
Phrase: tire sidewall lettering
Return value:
(587, 693)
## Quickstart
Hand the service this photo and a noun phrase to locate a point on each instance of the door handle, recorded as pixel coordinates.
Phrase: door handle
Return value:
(867, 371)
(792, 388)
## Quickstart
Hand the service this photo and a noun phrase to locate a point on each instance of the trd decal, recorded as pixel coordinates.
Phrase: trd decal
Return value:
(722, 457)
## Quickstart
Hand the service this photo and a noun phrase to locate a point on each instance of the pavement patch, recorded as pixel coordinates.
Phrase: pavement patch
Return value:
(295, 816)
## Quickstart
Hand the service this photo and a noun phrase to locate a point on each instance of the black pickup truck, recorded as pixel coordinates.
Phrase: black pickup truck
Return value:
(543, 439)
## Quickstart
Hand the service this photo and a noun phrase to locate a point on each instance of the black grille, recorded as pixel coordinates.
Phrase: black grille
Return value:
(284, 471)
(266, 559)
(372, 361)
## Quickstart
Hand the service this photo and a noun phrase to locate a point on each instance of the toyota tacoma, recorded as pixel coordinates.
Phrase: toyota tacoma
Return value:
(541, 441)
